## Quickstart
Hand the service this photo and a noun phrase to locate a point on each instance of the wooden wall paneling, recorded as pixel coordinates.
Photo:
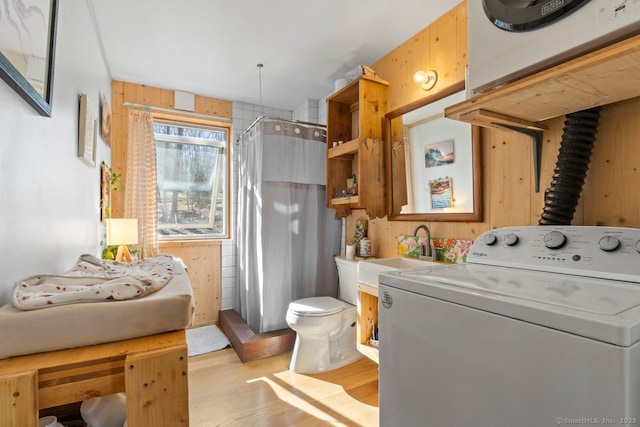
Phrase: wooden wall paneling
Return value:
(204, 267)
(148, 95)
(119, 138)
(443, 49)
(462, 38)
(393, 67)
(610, 193)
(510, 178)
(213, 106)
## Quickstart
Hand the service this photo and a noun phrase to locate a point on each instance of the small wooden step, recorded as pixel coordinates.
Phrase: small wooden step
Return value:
(251, 346)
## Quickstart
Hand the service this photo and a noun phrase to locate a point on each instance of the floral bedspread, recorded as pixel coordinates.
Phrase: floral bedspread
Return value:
(94, 280)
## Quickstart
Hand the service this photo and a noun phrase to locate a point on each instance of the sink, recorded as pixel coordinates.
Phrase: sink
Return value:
(369, 270)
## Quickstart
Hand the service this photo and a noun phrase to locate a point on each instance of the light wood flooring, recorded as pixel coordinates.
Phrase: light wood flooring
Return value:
(223, 391)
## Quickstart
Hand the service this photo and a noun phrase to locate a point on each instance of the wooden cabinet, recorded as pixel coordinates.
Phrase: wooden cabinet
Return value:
(355, 117)
(598, 78)
(367, 319)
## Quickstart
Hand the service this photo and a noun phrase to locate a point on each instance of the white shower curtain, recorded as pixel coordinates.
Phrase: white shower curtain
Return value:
(287, 237)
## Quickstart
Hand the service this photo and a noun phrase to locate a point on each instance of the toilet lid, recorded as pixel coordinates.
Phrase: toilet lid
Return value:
(316, 306)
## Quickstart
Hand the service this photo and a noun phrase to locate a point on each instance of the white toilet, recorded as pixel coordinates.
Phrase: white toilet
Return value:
(326, 327)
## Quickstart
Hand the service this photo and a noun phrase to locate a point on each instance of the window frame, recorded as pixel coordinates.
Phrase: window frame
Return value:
(186, 120)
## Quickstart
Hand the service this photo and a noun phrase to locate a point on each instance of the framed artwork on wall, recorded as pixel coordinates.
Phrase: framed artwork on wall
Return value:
(105, 192)
(87, 132)
(105, 119)
(27, 50)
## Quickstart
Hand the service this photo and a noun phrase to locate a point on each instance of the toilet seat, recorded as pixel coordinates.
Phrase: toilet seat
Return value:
(316, 307)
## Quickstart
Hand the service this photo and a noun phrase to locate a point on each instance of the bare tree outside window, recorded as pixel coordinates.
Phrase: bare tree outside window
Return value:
(192, 189)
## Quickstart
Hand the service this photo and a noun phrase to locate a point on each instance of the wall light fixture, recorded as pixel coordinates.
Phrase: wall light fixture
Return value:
(427, 79)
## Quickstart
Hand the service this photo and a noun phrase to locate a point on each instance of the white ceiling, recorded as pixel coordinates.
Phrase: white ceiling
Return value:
(212, 47)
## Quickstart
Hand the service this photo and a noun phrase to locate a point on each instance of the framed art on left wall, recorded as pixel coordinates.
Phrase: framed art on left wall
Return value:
(27, 50)
(87, 132)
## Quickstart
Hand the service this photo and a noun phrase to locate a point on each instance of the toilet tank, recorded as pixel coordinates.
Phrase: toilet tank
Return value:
(348, 279)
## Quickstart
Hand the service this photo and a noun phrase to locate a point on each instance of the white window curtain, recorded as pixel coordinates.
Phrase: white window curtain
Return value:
(140, 184)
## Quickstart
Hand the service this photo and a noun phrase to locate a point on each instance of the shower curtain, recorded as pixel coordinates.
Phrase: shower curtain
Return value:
(286, 235)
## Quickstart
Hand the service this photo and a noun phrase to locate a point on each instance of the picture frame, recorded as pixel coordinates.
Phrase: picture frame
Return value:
(441, 193)
(27, 51)
(87, 132)
(105, 192)
(105, 120)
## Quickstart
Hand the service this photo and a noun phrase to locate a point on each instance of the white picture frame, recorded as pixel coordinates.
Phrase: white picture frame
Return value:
(87, 132)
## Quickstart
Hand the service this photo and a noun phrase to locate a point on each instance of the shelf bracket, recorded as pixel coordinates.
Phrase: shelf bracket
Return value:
(536, 138)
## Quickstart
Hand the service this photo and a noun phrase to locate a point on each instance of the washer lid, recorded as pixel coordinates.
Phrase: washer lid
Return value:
(606, 310)
(523, 15)
(316, 306)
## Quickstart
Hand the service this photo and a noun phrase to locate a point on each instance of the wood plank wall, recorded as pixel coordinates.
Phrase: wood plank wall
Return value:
(609, 197)
(203, 258)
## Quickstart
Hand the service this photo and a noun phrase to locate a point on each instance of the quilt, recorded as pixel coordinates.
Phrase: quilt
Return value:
(94, 280)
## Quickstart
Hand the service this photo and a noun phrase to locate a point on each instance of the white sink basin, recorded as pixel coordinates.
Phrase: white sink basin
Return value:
(369, 270)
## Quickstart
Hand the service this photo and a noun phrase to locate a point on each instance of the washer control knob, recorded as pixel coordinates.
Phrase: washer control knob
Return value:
(554, 240)
(609, 243)
(511, 239)
(638, 246)
(490, 239)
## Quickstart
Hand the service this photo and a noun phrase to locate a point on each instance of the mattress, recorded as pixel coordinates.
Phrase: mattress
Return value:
(77, 325)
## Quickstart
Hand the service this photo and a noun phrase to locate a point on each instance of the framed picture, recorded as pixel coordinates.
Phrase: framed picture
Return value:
(105, 120)
(87, 132)
(105, 192)
(27, 50)
(438, 154)
(441, 193)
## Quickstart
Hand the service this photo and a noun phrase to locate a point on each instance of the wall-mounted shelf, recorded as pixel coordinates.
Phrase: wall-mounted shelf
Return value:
(605, 76)
(355, 115)
(348, 149)
(367, 313)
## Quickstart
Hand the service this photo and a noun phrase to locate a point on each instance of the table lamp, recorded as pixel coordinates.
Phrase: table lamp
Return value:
(122, 232)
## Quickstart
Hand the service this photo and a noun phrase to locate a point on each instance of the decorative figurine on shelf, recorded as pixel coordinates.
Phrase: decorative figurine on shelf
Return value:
(361, 233)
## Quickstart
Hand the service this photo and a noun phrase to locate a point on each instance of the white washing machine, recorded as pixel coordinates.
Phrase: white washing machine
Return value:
(541, 327)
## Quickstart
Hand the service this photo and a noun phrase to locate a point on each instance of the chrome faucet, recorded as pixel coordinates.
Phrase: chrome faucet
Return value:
(425, 250)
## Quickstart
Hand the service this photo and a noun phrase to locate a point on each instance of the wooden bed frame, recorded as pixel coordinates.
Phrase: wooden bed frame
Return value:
(152, 370)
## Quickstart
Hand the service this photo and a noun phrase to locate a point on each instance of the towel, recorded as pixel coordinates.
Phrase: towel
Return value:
(94, 280)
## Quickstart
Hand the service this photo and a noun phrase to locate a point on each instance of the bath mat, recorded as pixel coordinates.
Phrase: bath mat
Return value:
(205, 339)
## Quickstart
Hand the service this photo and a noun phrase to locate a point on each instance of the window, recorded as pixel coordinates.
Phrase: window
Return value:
(191, 165)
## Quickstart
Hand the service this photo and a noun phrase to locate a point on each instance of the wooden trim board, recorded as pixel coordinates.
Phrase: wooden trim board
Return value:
(251, 346)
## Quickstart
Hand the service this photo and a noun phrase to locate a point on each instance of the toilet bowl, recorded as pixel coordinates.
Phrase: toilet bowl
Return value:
(325, 326)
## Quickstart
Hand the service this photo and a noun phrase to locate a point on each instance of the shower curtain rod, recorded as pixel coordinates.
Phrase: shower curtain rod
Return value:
(297, 122)
(171, 110)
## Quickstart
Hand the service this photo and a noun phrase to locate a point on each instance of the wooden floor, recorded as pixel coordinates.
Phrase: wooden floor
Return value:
(226, 392)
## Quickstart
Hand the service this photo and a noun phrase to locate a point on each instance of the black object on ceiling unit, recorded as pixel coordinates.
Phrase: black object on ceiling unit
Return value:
(525, 15)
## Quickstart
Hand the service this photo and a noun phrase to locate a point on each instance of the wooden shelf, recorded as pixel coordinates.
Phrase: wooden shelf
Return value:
(355, 115)
(367, 312)
(345, 200)
(371, 352)
(371, 290)
(347, 149)
(598, 78)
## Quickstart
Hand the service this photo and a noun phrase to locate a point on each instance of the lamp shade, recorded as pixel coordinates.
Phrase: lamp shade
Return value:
(122, 231)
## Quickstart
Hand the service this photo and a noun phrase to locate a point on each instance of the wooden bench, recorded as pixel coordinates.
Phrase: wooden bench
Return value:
(152, 370)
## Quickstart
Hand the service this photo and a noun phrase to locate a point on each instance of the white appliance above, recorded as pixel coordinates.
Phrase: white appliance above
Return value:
(510, 39)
